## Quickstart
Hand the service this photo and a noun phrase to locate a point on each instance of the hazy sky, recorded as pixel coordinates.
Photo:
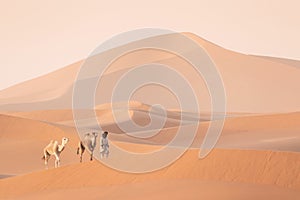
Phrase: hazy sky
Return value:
(38, 36)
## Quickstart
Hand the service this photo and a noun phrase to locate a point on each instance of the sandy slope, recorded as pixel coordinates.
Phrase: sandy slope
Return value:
(47, 87)
(292, 63)
(259, 167)
(236, 174)
(273, 131)
(269, 132)
(183, 189)
(22, 142)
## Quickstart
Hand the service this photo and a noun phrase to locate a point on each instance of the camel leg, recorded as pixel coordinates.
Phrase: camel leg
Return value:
(80, 150)
(81, 153)
(46, 157)
(57, 161)
(91, 156)
(46, 161)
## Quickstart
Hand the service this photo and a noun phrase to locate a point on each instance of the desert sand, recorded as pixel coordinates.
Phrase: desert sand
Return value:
(256, 157)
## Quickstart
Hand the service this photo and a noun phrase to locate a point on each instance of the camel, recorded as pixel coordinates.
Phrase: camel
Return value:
(89, 143)
(55, 149)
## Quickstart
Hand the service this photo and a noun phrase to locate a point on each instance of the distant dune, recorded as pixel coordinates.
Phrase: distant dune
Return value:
(253, 84)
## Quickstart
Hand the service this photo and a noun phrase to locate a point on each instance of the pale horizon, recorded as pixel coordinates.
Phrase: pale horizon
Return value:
(41, 38)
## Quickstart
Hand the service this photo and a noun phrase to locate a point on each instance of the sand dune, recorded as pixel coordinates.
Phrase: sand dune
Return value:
(265, 132)
(252, 83)
(256, 157)
(47, 87)
(184, 189)
(22, 142)
(259, 167)
(137, 112)
(292, 63)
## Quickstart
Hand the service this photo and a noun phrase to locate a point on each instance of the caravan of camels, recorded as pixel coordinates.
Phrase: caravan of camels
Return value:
(88, 143)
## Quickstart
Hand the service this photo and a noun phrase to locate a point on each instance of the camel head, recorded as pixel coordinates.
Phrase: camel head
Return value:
(95, 134)
(64, 141)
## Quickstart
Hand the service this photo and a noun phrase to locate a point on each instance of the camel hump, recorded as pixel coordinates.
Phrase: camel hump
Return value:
(52, 141)
(55, 142)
